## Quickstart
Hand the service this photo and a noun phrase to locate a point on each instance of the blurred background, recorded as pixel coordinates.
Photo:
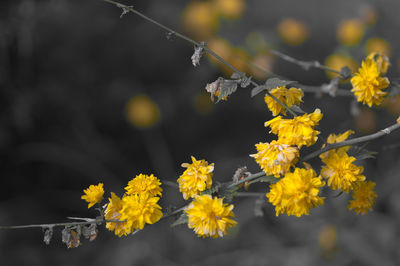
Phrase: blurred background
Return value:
(87, 97)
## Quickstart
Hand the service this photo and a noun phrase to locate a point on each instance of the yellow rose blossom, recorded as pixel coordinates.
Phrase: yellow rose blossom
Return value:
(210, 217)
(368, 83)
(289, 97)
(298, 131)
(276, 158)
(333, 138)
(113, 212)
(144, 184)
(140, 209)
(340, 171)
(296, 193)
(93, 194)
(381, 61)
(364, 197)
(196, 178)
(350, 31)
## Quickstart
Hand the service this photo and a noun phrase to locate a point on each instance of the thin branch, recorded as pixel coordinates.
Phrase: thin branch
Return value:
(126, 8)
(250, 194)
(381, 133)
(94, 221)
(304, 64)
(247, 179)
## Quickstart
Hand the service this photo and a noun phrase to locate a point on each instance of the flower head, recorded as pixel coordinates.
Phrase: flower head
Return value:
(341, 172)
(196, 178)
(144, 184)
(368, 85)
(113, 212)
(210, 217)
(364, 197)
(276, 158)
(140, 209)
(381, 61)
(333, 138)
(298, 131)
(93, 194)
(296, 193)
(289, 97)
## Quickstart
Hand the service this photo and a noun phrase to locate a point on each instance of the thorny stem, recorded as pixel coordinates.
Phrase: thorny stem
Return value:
(126, 8)
(381, 133)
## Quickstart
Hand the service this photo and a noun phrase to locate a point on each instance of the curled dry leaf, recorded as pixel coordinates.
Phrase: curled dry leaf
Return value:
(70, 238)
(90, 232)
(240, 174)
(221, 88)
(48, 234)
(198, 53)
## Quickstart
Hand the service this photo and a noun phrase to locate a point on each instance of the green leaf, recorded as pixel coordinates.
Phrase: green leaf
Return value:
(273, 83)
(183, 219)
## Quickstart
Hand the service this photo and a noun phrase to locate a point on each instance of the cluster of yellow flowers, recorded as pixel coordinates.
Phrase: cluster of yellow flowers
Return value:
(207, 216)
(297, 189)
(137, 207)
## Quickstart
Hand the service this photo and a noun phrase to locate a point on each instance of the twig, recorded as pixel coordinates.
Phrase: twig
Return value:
(250, 194)
(249, 178)
(304, 64)
(381, 133)
(94, 221)
(126, 8)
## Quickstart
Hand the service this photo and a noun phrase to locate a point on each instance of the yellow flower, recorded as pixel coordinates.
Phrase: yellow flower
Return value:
(210, 217)
(231, 9)
(398, 120)
(298, 131)
(381, 61)
(144, 184)
(333, 138)
(378, 45)
(196, 178)
(364, 197)
(296, 193)
(276, 158)
(292, 31)
(368, 83)
(289, 97)
(113, 212)
(93, 194)
(350, 31)
(142, 112)
(341, 172)
(140, 209)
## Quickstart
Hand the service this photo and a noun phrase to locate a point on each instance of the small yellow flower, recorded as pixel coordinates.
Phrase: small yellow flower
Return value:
(93, 194)
(113, 212)
(210, 217)
(293, 31)
(289, 97)
(333, 138)
(350, 31)
(196, 178)
(298, 131)
(140, 209)
(381, 61)
(398, 120)
(276, 158)
(340, 171)
(144, 184)
(364, 197)
(368, 83)
(296, 193)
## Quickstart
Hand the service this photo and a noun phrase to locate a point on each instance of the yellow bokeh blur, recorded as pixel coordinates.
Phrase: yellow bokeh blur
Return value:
(327, 237)
(378, 45)
(350, 31)
(392, 104)
(337, 61)
(200, 18)
(142, 112)
(231, 9)
(202, 103)
(369, 15)
(261, 62)
(292, 31)
(221, 47)
(366, 120)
